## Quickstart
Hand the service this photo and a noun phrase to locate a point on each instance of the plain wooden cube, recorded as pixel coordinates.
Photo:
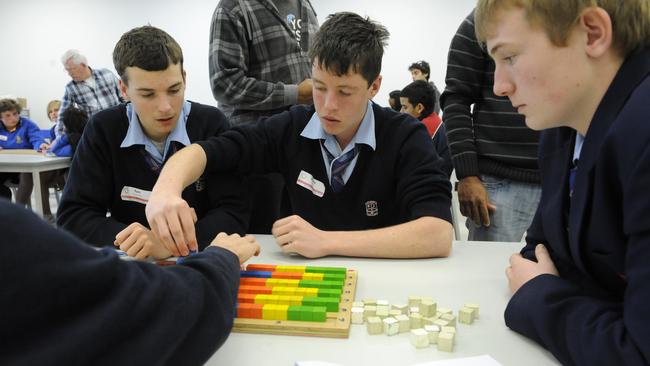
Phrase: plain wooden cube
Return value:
(466, 315)
(394, 313)
(451, 320)
(404, 323)
(382, 312)
(358, 304)
(427, 308)
(432, 331)
(446, 342)
(404, 309)
(445, 311)
(428, 321)
(414, 310)
(419, 338)
(357, 315)
(441, 323)
(369, 310)
(391, 326)
(414, 301)
(374, 325)
(473, 307)
(448, 329)
(369, 302)
(416, 320)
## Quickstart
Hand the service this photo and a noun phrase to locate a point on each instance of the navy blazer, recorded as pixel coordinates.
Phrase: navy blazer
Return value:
(598, 311)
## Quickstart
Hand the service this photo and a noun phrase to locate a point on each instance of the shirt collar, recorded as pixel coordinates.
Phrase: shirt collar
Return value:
(135, 135)
(365, 134)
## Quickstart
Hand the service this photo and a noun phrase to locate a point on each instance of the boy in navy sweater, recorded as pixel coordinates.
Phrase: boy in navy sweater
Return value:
(362, 180)
(581, 72)
(124, 147)
(65, 303)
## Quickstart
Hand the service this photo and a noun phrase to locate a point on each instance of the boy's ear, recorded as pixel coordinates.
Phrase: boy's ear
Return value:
(123, 87)
(374, 87)
(419, 108)
(597, 25)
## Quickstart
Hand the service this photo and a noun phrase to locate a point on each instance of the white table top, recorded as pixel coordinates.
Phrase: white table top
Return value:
(474, 273)
(30, 161)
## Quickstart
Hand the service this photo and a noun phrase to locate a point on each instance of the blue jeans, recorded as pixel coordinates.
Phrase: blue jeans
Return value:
(516, 204)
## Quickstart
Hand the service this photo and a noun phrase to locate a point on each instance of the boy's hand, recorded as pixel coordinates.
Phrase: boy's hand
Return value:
(522, 270)
(295, 235)
(244, 247)
(139, 242)
(172, 220)
(474, 201)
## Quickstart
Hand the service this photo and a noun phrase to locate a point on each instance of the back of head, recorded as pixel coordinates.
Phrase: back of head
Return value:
(74, 120)
(148, 48)
(630, 19)
(348, 42)
(422, 92)
(394, 95)
(423, 66)
(8, 104)
(75, 57)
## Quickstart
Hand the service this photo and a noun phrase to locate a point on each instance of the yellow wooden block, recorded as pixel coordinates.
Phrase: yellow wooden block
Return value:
(268, 312)
(262, 299)
(309, 291)
(282, 312)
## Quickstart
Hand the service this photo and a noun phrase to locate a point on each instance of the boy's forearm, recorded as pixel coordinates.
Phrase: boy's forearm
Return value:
(424, 237)
(182, 169)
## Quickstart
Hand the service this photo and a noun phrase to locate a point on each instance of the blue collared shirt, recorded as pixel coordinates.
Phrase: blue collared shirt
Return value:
(135, 135)
(577, 148)
(365, 135)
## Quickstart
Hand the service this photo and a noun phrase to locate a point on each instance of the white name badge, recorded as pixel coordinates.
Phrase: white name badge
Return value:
(135, 195)
(307, 180)
(3, 138)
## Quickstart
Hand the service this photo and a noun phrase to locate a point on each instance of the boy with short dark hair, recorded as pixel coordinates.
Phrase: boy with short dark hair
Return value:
(581, 71)
(362, 180)
(123, 149)
(418, 100)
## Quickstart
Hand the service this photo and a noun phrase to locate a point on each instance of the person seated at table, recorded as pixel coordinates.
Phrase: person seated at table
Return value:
(581, 71)
(74, 121)
(418, 99)
(364, 180)
(17, 132)
(69, 304)
(124, 147)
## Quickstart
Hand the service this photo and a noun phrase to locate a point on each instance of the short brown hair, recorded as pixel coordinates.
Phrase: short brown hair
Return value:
(148, 48)
(630, 19)
(9, 104)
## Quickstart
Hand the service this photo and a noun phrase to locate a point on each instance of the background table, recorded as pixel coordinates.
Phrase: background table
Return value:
(475, 272)
(30, 161)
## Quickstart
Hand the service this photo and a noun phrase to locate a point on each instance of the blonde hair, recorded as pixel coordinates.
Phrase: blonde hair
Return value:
(53, 103)
(630, 19)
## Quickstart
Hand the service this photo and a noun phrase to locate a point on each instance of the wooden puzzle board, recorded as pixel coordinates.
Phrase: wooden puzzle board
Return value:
(337, 324)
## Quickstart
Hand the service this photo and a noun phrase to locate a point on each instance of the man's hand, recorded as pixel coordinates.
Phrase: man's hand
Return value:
(44, 146)
(305, 92)
(295, 235)
(244, 248)
(172, 220)
(139, 242)
(474, 201)
(522, 270)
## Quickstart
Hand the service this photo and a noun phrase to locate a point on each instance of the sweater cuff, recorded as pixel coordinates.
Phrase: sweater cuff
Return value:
(466, 165)
(290, 94)
(231, 257)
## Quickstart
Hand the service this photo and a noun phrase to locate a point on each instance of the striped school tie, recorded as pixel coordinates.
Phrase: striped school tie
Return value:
(338, 167)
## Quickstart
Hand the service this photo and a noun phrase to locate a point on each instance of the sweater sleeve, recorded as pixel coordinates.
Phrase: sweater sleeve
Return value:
(465, 71)
(87, 193)
(229, 66)
(78, 305)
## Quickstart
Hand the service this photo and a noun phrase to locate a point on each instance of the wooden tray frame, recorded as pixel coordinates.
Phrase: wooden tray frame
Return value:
(337, 325)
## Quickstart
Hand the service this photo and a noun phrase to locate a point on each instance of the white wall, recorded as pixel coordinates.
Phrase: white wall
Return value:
(36, 32)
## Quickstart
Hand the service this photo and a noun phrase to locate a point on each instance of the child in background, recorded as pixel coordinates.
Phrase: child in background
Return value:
(74, 120)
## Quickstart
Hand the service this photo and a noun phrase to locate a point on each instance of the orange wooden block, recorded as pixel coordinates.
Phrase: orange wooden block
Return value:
(287, 275)
(246, 298)
(246, 289)
(252, 281)
(251, 311)
(261, 267)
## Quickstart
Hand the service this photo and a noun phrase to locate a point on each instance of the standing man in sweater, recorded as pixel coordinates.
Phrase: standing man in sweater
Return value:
(493, 152)
(259, 67)
(362, 180)
(124, 148)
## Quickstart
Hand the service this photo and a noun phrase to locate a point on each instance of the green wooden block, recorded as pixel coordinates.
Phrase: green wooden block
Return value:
(293, 313)
(319, 314)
